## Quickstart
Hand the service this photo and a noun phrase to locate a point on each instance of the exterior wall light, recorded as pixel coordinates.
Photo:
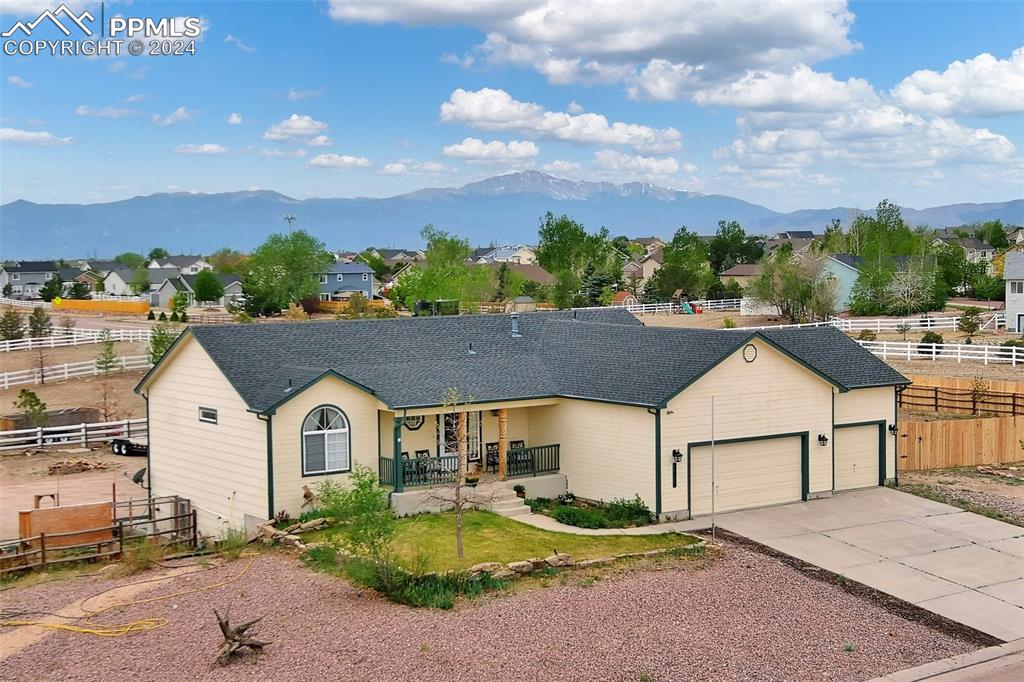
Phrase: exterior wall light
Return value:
(677, 456)
(822, 439)
(893, 429)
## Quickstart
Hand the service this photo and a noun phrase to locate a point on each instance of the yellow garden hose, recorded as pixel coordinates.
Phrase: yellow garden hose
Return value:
(117, 630)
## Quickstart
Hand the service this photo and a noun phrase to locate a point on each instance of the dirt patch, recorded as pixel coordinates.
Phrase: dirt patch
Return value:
(74, 466)
(745, 616)
(996, 491)
(30, 359)
(951, 368)
(709, 319)
(123, 403)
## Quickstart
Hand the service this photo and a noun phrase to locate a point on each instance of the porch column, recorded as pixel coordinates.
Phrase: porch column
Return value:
(502, 444)
(397, 454)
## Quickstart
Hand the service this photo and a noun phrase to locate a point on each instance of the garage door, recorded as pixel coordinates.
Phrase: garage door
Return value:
(856, 457)
(754, 473)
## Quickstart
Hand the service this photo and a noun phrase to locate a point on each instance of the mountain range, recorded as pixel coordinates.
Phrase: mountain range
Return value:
(502, 209)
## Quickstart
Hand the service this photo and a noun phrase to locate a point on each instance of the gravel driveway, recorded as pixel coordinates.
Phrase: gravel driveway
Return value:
(745, 616)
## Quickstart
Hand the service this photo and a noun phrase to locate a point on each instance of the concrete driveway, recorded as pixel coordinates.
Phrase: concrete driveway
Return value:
(963, 566)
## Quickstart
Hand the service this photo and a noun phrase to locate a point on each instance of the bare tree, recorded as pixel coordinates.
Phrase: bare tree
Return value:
(908, 289)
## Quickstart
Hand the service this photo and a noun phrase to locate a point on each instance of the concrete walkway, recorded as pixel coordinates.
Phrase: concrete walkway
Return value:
(1004, 663)
(962, 566)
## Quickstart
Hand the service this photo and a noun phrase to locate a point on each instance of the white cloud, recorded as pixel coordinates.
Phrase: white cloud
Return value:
(574, 107)
(490, 109)
(645, 166)
(591, 40)
(283, 153)
(412, 167)
(801, 89)
(983, 86)
(36, 122)
(177, 116)
(238, 43)
(208, 148)
(465, 61)
(560, 166)
(32, 137)
(320, 141)
(295, 128)
(295, 95)
(19, 82)
(134, 99)
(474, 150)
(339, 161)
(102, 112)
(234, 119)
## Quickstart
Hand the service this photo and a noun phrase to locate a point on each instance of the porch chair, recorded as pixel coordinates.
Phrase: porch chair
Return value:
(492, 457)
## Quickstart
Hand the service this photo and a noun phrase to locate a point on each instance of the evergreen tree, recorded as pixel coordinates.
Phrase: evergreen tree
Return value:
(106, 360)
(11, 325)
(39, 323)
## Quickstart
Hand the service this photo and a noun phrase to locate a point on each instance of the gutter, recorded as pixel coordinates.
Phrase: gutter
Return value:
(270, 463)
(657, 460)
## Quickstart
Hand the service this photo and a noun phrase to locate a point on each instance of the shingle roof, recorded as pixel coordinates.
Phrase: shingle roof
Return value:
(224, 280)
(531, 272)
(743, 270)
(180, 261)
(355, 267)
(968, 243)
(1013, 265)
(599, 355)
(32, 266)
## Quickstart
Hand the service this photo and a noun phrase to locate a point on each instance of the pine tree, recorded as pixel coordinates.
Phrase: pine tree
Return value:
(39, 323)
(106, 360)
(11, 325)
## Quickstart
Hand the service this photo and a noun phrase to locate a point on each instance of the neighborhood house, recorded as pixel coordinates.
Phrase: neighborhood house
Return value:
(243, 417)
(345, 279)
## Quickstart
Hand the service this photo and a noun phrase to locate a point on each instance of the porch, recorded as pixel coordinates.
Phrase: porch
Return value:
(496, 441)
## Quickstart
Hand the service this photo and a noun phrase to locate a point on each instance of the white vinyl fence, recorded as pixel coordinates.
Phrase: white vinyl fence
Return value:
(958, 352)
(69, 370)
(25, 304)
(653, 308)
(75, 337)
(74, 434)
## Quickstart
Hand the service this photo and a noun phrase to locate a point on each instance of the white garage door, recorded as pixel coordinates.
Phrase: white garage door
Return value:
(748, 474)
(856, 457)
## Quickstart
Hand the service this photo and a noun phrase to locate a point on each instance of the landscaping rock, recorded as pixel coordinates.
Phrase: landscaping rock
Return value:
(487, 567)
(558, 560)
(521, 567)
(313, 524)
(537, 562)
(595, 562)
(503, 574)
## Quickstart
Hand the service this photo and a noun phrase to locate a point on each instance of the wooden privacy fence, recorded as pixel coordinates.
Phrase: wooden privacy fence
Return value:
(959, 442)
(961, 401)
(965, 383)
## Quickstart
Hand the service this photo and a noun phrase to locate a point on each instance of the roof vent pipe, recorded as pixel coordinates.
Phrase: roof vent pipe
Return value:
(515, 325)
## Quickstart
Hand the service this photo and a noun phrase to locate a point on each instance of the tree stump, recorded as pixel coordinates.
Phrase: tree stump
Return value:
(236, 637)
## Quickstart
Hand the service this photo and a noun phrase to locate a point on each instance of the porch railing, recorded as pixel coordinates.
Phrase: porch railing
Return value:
(532, 461)
(444, 470)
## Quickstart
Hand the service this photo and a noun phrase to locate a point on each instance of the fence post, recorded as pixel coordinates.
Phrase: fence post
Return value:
(39, 435)
(959, 348)
(936, 389)
(128, 427)
(195, 530)
(985, 355)
(42, 548)
(120, 539)
(85, 435)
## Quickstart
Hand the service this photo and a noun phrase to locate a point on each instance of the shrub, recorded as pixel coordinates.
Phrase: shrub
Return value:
(928, 338)
(243, 317)
(362, 510)
(867, 335)
(539, 504)
(1010, 345)
(163, 316)
(184, 317)
(151, 315)
(174, 316)
(434, 590)
(623, 513)
(231, 544)
(581, 517)
(728, 323)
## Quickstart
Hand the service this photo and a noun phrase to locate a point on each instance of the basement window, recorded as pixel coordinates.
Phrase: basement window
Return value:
(208, 415)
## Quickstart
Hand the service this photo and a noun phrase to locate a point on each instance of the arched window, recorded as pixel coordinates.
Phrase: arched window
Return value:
(325, 442)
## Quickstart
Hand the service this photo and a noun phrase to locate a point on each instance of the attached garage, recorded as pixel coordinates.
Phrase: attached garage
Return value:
(859, 455)
(749, 472)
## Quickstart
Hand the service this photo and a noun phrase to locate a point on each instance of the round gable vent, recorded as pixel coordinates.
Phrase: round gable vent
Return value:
(750, 352)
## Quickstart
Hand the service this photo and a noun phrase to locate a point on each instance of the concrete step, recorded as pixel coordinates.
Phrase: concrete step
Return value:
(519, 511)
(499, 505)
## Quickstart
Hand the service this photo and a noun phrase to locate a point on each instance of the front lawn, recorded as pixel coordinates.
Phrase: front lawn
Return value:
(430, 538)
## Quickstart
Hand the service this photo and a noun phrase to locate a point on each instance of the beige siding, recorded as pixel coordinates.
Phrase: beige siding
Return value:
(871, 404)
(748, 474)
(358, 406)
(856, 457)
(220, 467)
(772, 395)
(607, 451)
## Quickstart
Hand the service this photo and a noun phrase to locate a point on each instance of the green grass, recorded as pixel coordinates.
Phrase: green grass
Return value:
(489, 537)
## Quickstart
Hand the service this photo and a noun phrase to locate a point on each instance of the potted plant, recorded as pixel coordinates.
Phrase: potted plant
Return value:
(472, 478)
(520, 490)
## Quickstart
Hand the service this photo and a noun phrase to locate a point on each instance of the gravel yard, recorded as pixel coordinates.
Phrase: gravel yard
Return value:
(745, 616)
(965, 487)
(951, 368)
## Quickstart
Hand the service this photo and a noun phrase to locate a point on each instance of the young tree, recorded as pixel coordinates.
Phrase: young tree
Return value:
(106, 362)
(208, 288)
(908, 291)
(970, 322)
(34, 408)
(796, 288)
(161, 338)
(79, 291)
(130, 259)
(228, 261)
(284, 269)
(731, 246)
(179, 303)
(140, 280)
(39, 323)
(52, 288)
(446, 274)
(11, 325)
(8, 290)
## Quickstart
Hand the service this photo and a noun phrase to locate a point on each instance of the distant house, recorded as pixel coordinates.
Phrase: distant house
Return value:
(632, 273)
(1013, 275)
(650, 264)
(793, 234)
(800, 244)
(624, 298)
(344, 279)
(650, 244)
(845, 269)
(519, 253)
(741, 273)
(975, 250)
(119, 282)
(400, 255)
(1016, 235)
(532, 272)
(171, 286)
(27, 277)
(187, 265)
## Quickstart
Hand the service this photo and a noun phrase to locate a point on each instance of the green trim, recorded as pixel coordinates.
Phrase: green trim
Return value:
(396, 453)
(833, 441)
(549, 396)
(309, 384)
(657, 460)
(302, 447)
(880, 423)
(270, 467)
(896, 438)
(743, 342)
(805, 460)
(149, 450)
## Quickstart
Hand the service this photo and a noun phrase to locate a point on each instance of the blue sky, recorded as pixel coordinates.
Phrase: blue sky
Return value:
(790, 106)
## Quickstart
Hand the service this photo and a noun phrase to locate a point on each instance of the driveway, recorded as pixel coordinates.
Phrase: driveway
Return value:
(963, 566)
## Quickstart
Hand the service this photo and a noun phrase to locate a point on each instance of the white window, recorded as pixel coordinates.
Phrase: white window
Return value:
(16, 289)
(193, 269)
(15, 275)
(340, 277)
(1017, 287)
(208, 415)
(325, 442)
(48, 276)
(366, 277)
(323, 279)
(325, 297)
